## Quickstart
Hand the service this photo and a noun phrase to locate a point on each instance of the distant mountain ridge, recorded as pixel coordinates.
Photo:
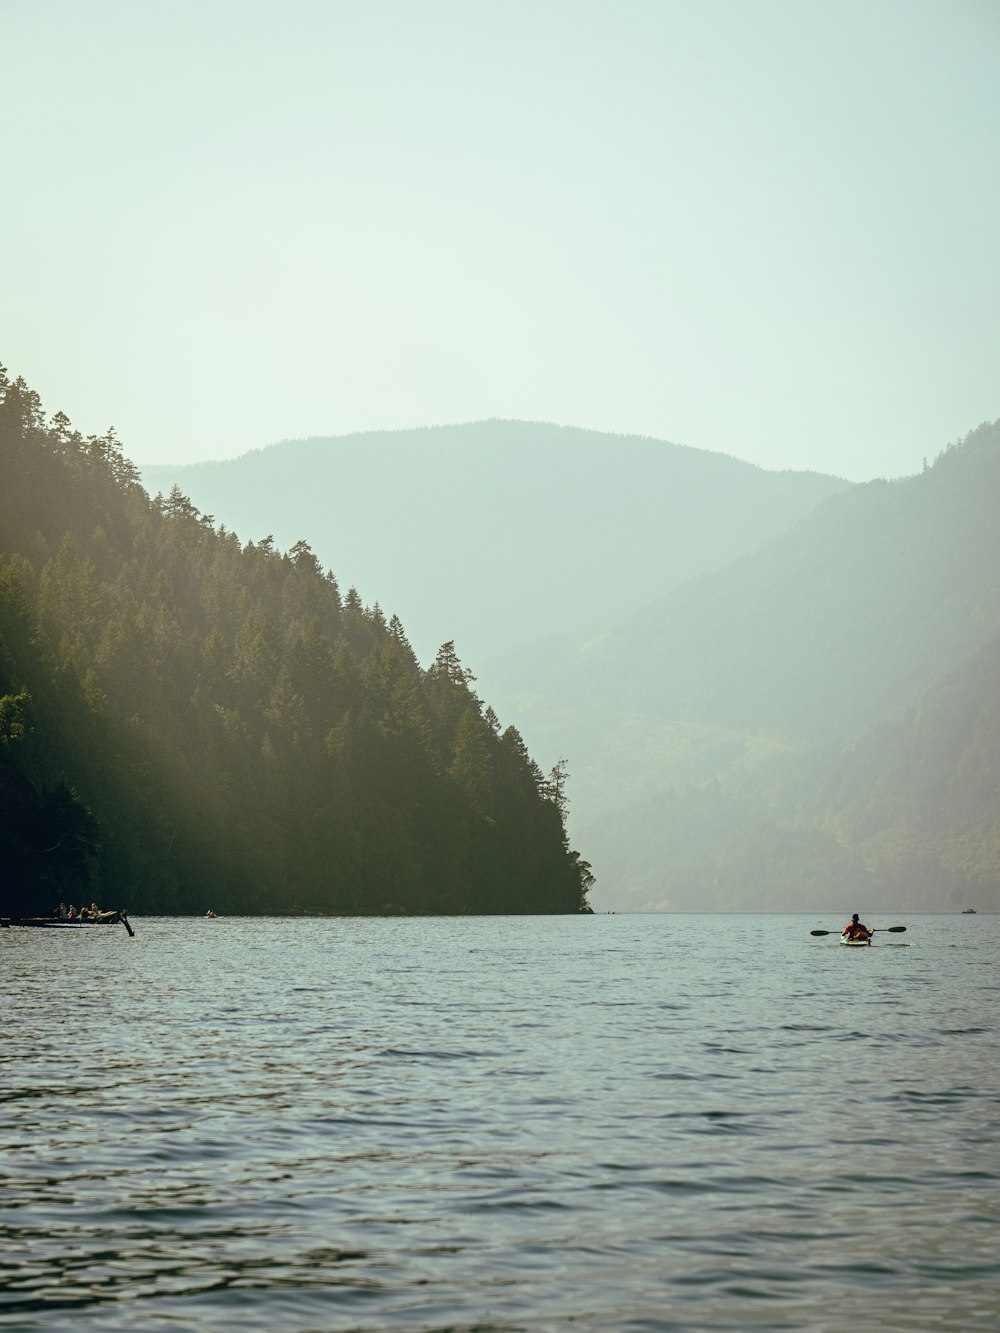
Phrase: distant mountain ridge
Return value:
(830, 626)
(803, 679)
(497, 533)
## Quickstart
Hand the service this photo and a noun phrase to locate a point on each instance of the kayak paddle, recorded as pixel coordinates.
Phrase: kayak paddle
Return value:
(895, 930)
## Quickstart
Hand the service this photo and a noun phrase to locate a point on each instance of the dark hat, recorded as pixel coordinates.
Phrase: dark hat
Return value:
(854, 917)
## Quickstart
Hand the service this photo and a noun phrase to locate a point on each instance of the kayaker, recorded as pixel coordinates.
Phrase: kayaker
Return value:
(856, 930)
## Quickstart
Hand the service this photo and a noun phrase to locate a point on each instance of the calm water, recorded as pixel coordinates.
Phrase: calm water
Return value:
(608, 1122)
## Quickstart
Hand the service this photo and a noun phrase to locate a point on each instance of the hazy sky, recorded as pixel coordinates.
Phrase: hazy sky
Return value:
(768, 228)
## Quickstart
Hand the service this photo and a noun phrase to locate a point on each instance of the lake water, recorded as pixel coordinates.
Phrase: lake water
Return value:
(601, 1122)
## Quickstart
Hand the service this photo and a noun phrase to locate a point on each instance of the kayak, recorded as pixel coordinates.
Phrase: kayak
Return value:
(858, 943)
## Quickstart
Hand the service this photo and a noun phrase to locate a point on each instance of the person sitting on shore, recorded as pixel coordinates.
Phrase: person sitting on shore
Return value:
(856, 930)
(71, 914)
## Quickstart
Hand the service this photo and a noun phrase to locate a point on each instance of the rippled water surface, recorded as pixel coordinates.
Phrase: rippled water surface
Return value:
(606, 1122)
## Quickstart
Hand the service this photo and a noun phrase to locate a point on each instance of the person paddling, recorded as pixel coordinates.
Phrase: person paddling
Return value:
(856, 930)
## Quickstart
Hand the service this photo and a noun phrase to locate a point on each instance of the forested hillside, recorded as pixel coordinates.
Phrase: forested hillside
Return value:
(820, 719)
(905, 817)
(841, 621)
(188, 721)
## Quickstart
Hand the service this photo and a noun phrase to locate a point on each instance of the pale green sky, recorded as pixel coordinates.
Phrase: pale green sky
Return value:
(768, 229)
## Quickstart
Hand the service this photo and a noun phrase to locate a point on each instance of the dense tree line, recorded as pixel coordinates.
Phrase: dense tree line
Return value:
(190, 721)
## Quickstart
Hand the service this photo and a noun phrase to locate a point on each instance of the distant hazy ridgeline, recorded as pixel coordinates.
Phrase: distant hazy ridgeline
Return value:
(820, 717)
(498, 533)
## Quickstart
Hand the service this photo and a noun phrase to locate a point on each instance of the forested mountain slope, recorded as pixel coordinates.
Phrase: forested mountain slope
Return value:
(187, 721)
(820, 715)
(841, 621)
(499, 532)
(906, 817)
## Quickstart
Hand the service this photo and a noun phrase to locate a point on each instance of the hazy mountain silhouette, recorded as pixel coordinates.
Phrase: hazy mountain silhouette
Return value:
(805, 679)
(498, 533)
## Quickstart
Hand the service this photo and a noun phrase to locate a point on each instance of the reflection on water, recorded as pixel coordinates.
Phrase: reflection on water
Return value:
(605, 1122)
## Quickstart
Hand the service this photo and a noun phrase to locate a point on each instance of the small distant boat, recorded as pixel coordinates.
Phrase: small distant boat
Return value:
(67, 923)
(968, 911)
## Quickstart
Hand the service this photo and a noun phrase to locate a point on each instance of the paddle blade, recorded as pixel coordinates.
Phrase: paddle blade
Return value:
(821, 932)
(896, 930)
